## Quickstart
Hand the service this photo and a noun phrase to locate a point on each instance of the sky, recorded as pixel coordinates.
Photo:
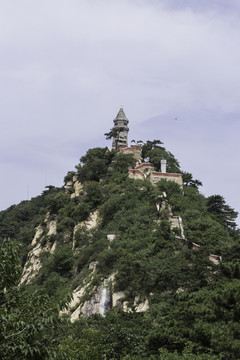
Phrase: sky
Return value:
(66, 67)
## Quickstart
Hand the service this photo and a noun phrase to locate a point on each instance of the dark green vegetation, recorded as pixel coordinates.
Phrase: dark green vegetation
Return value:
(194, 304)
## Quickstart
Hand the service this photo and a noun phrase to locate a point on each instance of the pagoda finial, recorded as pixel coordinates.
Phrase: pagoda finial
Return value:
(121, 115)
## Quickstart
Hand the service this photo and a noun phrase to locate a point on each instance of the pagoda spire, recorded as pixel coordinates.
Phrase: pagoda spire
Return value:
(121, 115)
(121, 130)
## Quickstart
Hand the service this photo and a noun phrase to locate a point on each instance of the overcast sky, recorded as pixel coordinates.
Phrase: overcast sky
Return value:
(68, 65)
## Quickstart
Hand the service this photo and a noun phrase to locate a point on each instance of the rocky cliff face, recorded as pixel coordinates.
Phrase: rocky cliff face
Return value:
(103, 298)
(100, 302)
(40, 243)
(73, 187)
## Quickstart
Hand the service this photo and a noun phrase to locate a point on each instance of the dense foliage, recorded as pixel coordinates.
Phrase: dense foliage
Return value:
(28, 322)
(193, 303)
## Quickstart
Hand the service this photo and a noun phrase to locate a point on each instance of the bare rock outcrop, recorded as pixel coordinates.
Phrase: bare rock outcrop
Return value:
(33, 263)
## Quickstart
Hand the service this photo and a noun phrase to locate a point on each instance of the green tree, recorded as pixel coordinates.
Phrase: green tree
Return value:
(114, 133)
(28, 322)
(188, 180)
(94, 165)
(151, 145)
(122, 162)
(226, 215)
(154, 152)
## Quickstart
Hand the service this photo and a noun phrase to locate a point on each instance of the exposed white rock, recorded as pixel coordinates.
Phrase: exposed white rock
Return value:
(37, 235)
(142, 307)
(69, 184)
(116, 298)
(53, 248)
(33, 263)
(215, 259)
(92, 221)
(77, 295)
(139, 307)
(74, 187)
(100, 302)
(52, 227)
(77, 186)
(105, 297)
(93, 265)
(89, 224)
(181, 227)
(75, 229)
(111, 237)
(46, 220)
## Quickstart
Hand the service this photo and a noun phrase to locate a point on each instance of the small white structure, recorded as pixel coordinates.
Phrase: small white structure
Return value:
(163, 166)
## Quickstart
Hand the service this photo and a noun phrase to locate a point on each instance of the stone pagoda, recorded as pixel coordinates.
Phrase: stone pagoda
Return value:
(120, 129)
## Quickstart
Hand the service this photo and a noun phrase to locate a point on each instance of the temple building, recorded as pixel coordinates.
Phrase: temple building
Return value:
(142, 170)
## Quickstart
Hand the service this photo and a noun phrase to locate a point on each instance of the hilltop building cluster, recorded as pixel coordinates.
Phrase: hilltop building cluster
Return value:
(142, 170)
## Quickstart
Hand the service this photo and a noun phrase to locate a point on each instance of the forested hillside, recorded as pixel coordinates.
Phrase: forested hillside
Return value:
(171, 300)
